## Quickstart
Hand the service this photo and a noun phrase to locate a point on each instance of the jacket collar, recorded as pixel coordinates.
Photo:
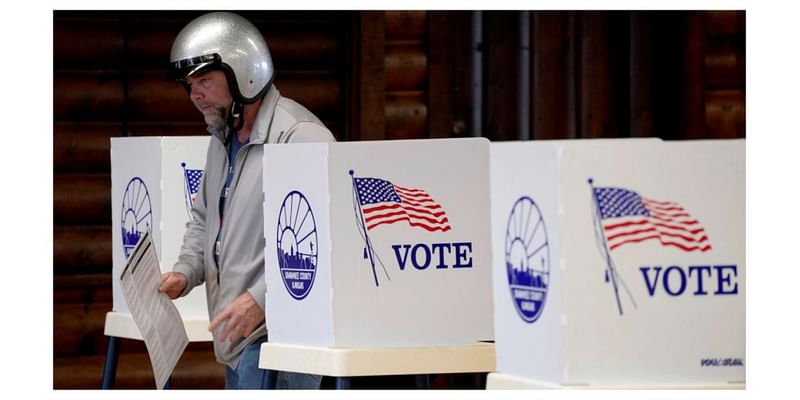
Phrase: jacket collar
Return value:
(260, 132)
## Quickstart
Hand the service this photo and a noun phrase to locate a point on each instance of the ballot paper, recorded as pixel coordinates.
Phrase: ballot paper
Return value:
(156, 316)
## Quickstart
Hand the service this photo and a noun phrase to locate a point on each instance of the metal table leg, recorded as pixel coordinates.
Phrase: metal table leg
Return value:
(110, 366)
(272, 379)
(423, 381)
(342, 382)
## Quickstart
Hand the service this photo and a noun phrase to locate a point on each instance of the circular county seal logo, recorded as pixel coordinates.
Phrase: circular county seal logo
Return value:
(527, 258)
(137, 214)
(297, 244)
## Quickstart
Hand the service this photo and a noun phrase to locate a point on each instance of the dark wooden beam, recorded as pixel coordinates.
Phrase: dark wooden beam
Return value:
(553, 44)
(368, 91)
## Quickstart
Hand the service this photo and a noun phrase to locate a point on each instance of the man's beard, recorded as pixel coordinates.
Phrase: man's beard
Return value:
(218, 118)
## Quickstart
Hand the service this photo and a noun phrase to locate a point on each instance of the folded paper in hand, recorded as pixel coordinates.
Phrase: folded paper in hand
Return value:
(156, 316)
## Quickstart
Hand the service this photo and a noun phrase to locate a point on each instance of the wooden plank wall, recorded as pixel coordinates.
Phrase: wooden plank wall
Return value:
(724, 66)
(594, 74)
(368, 75)
(390, 68)
(406, 65)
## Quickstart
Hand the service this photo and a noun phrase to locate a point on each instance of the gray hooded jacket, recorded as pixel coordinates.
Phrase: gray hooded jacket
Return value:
(241, 258)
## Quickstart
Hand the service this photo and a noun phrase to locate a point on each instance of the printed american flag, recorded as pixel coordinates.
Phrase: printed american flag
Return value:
(193, 178)
(628, 217)
(385, 203)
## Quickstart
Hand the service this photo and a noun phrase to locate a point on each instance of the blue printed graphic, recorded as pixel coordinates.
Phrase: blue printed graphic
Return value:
(137, 214)
(297, 245)
(191, 185)
(527, 253)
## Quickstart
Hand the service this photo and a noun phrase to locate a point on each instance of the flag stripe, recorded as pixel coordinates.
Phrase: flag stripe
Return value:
(663, 209)
(637, 240)
(685, 222)
(661, 206)
(393, 206)
(443, 221)
(403, 211)
(410, 190)
(669, 215)
(663, 242)
(680, 228)
(611, 238)
(414, 196)
(616, 229)
(661, 203)
(614, 233)
(684, 237)
(421, 204)
(689, 239)
(625, 224)
(429, 228)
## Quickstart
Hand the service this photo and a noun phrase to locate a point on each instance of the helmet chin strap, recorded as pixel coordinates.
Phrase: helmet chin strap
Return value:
(235, 118)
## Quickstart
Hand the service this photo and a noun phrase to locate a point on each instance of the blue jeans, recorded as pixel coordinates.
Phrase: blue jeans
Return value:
(248, 376)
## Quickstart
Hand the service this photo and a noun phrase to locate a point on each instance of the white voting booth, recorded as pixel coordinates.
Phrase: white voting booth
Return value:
(153, 182)
(378, 244)
(378, 258)
(619, 263)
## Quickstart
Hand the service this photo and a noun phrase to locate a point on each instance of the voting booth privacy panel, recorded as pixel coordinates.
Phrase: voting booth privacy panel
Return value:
(378, 244)
(153, 183)
(620, 262)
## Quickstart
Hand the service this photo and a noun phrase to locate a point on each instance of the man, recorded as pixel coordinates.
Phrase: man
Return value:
(225, 66)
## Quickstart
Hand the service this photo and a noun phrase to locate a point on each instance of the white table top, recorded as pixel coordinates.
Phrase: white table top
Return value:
(498, 380)
(473, 357)
(123, 325)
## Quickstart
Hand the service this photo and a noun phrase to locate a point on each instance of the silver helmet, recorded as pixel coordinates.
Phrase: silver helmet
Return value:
(226, 41)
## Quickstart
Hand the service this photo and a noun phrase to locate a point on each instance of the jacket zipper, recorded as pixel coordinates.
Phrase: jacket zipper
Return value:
(234, 181)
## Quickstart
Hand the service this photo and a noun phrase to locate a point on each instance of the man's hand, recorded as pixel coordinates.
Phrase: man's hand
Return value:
(173, 284)
(243, 316)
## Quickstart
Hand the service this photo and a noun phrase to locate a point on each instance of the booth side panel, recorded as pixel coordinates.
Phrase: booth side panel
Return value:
(135, 202)
(526, 260)
(298, 243)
